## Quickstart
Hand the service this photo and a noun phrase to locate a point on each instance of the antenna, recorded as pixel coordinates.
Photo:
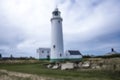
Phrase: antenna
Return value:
(56, 7)
(56, 4)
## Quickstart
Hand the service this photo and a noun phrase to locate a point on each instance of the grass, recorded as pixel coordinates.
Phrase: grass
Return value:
(41, 70)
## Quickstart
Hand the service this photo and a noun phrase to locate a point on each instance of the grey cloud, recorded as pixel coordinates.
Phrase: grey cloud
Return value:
(98, 45)
(10, 36)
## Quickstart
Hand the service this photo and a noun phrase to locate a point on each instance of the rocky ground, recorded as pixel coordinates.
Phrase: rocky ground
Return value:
(90, 63)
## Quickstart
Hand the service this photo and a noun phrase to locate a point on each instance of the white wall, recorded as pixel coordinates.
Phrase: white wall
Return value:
(43, 53)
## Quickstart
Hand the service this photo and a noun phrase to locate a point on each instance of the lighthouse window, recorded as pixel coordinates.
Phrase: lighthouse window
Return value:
(58, 21)
(60, 54)
(56, 13)
(53, 46)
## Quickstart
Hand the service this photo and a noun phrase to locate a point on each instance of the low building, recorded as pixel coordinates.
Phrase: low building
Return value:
(44, 53)
(73, 55)
(112, 52)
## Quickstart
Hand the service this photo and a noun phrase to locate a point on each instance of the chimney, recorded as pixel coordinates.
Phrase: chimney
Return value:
(112, 50)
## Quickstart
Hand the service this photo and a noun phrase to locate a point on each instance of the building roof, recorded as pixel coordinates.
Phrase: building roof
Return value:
(74, 52)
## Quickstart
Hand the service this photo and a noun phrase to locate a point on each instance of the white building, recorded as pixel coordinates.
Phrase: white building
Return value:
(57, 49)
(73, 55)
(44, 53)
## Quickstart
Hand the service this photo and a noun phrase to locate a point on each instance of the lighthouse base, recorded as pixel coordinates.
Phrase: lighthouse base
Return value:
(57, 60)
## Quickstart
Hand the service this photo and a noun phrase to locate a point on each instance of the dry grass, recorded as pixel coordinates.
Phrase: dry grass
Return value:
(39, 72)
(36, 70)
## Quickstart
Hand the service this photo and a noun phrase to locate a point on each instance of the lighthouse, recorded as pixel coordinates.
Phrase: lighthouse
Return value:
(57, 48)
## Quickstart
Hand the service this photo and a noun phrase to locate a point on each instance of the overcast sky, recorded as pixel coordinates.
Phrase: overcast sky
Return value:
(91, 26)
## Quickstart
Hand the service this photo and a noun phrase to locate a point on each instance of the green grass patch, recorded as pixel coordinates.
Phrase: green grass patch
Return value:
(41, 70)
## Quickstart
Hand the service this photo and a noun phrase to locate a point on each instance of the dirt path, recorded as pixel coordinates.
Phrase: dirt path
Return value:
(9, 75)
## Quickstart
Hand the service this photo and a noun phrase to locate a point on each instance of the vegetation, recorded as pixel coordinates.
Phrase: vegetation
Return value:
(41, 70)
(102, 56)
(87, 56)
(109, 56)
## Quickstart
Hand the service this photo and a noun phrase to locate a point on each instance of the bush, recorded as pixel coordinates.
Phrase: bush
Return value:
(109, 56)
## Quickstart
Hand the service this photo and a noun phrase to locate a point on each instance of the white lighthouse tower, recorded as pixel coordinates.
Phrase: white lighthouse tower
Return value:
(57, 49)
